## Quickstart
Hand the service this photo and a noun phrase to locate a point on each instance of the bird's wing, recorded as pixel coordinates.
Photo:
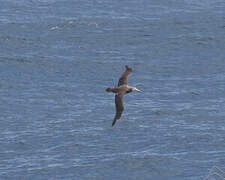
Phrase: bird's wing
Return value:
(123, 77)
(119, 106)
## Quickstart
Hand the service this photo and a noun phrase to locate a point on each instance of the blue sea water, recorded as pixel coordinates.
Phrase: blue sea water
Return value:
(57, 57)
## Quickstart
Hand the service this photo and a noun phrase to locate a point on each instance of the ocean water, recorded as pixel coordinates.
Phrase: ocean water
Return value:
(57, 57)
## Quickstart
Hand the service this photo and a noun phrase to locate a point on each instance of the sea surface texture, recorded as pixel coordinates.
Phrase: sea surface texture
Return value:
(57, 57)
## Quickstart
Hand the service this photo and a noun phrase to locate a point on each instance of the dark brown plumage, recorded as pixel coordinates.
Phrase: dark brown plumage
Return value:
(120, 90)
(119, 107)
(123, 77)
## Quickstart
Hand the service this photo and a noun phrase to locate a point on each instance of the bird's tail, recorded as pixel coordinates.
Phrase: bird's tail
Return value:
(109, 89)
(114, 90)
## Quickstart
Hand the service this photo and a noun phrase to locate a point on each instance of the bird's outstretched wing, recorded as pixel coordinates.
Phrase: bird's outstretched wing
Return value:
(123, 77)
(119, 107)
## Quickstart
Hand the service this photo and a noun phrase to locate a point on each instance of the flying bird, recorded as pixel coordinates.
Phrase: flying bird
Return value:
(120, 90)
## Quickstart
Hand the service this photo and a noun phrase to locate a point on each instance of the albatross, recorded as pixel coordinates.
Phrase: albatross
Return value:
(121, 89)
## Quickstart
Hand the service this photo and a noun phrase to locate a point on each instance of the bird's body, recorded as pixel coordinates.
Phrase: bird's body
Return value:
(123, 88)
(120, 90)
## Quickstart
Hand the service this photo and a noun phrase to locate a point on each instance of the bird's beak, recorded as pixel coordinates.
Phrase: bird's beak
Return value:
(136, 89)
